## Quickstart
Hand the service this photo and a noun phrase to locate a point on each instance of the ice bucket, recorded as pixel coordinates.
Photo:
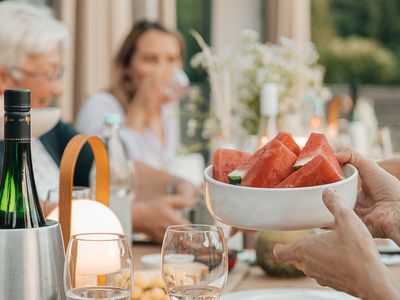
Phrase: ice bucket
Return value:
(31, 263)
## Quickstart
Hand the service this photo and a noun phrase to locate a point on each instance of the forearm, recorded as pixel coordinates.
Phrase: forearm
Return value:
(392, 166)
(379, 284)
(151, 182)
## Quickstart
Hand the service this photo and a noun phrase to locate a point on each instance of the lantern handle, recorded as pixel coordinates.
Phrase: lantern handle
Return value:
(67, 171)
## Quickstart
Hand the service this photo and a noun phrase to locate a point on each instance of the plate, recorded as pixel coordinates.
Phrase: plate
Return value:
(151, 259)
(155, 259)
(288, 294)
(390, 259)
(276, 208)
(387, 246)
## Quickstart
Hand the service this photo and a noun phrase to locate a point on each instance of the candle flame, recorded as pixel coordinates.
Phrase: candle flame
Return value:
(263, 140)
(315, 122)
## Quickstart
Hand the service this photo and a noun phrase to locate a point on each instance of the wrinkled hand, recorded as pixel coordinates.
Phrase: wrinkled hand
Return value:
(154, 216)
(345, 259)
(378, 203)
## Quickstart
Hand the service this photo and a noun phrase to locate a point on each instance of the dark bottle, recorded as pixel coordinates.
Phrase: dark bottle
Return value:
(19, 202)
(354, 97)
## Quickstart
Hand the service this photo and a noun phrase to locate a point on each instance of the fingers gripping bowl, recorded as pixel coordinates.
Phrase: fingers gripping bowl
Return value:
(276, 208)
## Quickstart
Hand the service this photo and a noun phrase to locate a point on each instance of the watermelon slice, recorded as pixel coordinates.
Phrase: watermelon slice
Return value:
(225, 161)
(318, 145)
(236, 176)
(316, 172)
(273, 166)
(288, 141)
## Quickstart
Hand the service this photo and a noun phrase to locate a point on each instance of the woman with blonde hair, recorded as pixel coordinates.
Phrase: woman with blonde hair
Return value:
(144, 83)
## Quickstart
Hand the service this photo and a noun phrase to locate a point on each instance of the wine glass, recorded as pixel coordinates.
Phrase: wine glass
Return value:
(98, 266)
(194, 262)
(53, 198)
(78, 192)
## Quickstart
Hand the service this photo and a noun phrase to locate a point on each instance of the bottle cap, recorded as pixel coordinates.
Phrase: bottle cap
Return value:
(17, 100)
(269, 100)
(112, 119)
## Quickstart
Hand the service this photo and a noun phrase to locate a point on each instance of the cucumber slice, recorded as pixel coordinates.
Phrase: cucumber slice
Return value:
(235, 177)
(235, 180)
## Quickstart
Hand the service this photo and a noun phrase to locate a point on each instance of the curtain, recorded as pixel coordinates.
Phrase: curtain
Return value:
(163, 11)
(288, 18)
(97, 27)
(167, 13)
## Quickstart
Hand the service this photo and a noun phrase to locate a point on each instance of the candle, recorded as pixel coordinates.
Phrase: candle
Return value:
(97, 255)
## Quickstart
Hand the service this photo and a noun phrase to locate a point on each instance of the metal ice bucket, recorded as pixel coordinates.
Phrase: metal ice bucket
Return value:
(31, 263)
(32, 260)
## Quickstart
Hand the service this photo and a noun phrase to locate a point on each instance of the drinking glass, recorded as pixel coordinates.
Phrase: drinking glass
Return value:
(78, 192)
(98, 266)
(194, 262)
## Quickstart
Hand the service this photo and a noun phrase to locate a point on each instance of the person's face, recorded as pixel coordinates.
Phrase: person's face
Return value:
(40, 73)
(155, 50)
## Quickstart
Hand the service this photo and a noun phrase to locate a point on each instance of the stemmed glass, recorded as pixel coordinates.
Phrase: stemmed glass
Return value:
(194, 262)
(98, 266)
(78, 192)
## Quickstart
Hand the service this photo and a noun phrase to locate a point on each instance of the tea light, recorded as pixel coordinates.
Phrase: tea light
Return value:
(98, 256)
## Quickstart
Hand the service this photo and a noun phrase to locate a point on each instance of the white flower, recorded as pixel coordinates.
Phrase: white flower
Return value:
(210, 128)
(294, 68)
(191, 128)
(198, 60)
(250, 36)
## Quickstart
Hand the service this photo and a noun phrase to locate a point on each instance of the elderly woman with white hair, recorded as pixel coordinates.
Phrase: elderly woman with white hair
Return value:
(31, 57)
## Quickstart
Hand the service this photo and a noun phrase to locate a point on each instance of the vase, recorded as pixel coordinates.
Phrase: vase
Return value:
(265, 242)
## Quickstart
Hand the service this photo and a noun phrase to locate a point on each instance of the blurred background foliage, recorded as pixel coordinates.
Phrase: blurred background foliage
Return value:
(194, 109)
(358, 40)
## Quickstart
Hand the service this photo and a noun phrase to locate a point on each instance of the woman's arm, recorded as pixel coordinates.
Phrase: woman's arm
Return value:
(391, 165)
(152, 183)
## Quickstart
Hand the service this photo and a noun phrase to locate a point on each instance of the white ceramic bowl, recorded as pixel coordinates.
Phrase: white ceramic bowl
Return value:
(273, 208)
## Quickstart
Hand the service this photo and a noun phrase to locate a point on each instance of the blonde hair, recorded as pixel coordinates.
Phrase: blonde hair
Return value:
(26, 30)
(122, 84)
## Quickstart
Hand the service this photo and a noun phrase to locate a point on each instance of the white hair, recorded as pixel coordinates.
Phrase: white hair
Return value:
(27, 30)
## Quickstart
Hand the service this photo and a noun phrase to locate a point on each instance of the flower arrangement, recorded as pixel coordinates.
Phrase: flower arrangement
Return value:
(237, 77)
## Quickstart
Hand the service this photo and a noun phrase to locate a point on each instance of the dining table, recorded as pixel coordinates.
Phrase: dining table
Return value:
(245, 277)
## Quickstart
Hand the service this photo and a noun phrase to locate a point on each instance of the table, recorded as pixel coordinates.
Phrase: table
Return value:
(253, 278)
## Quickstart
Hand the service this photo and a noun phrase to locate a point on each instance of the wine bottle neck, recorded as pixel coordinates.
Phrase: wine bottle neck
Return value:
(19, 203)
(17, 156)
(17, 127)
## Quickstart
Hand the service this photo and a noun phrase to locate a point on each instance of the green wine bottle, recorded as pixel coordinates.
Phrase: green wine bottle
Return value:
(19, 202)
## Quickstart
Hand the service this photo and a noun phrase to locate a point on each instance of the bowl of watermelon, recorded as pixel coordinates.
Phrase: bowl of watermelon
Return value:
(279, 187)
